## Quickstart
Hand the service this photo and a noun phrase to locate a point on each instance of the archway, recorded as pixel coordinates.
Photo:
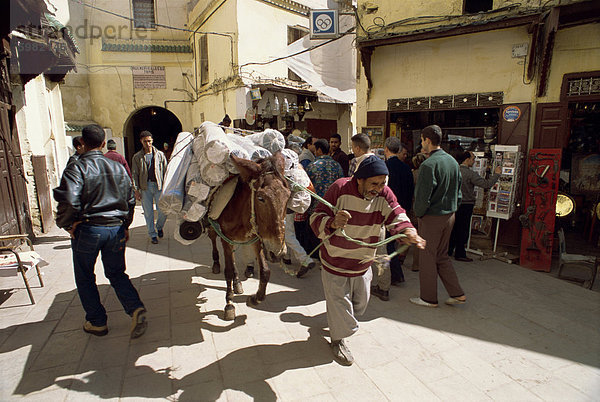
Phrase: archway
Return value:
(162, 123)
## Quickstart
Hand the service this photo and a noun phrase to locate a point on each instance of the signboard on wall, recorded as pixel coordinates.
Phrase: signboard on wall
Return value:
(149, 77)
(323, 24)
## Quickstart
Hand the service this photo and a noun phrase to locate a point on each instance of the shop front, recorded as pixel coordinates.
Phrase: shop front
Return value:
(476, 122)
(573, 125)
(293, 110)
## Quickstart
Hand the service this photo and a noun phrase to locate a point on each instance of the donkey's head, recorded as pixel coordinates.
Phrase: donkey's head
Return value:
(271, 193)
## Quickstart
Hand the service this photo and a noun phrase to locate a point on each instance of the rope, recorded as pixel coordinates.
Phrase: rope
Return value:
(215, 225)
(402, 249)
(256, 237)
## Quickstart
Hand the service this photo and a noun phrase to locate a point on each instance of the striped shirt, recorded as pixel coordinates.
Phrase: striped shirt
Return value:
(340, 256)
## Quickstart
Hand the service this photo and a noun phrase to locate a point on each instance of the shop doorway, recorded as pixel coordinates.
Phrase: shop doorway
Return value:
(580, 176)
(162, 123)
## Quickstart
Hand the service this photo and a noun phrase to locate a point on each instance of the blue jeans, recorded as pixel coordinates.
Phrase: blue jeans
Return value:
(88, 242)
(150, 197)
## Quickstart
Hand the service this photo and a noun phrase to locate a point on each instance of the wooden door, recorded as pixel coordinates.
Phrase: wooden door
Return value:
(551, 125)
(321, 128)
(8, 208)
(43, 191)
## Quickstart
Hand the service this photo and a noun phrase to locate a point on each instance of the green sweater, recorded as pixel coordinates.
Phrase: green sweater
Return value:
(438, 187)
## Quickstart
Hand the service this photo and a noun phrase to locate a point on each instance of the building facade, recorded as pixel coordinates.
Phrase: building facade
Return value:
(469, 66)
(33, 149)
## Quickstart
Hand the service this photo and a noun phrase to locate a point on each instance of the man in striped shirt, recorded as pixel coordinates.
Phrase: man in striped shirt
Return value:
(364, 204)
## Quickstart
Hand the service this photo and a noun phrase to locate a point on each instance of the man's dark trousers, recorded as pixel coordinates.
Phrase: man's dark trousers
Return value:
(88, 242)
(460, 232)
(396, 262)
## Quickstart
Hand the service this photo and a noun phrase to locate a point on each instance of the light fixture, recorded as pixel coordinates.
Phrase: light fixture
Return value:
(307, 106)
(276, 105)
(285, 108)
(268, 110)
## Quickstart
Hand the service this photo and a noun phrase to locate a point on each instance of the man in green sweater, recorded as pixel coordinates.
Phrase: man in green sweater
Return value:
(437, 197)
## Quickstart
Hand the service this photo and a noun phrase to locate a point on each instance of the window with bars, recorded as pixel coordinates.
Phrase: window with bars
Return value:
(295, 33)
(203, 59)
(584, 86)
(143, 14)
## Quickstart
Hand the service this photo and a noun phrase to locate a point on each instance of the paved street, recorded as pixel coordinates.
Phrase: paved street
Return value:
(522, 336)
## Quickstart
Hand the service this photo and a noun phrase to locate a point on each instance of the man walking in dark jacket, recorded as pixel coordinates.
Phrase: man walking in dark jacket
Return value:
(437, 197)
(95, 205)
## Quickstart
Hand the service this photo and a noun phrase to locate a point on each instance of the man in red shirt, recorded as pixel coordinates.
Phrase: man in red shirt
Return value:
(111, 145)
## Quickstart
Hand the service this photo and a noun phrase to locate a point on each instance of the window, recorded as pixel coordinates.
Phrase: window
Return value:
(143, 14)
(476, 6)
(203, 53)
(295, 33)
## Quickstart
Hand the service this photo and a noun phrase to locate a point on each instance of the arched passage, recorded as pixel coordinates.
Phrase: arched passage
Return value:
(162, 123)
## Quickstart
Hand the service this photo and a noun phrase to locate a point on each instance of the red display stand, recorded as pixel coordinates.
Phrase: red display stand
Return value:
(537, 220)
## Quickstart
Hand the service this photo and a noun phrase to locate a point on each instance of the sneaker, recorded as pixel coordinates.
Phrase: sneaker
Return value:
(453, 301)
(420, 302)
(95, 330)
(287, 261)
(138, 323)
(463, 259)
(304, 269)
(154, 240)
(341, 353)
(382, 294)
(160, 233)
(249, 271)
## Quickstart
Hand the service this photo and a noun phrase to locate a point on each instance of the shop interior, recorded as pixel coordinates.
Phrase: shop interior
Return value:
(471, 129)
(580, 179)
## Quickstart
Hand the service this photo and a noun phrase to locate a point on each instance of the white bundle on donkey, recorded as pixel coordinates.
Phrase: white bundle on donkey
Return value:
(201, 164)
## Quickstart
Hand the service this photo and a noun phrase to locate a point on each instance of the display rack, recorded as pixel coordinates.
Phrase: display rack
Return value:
(503, 194)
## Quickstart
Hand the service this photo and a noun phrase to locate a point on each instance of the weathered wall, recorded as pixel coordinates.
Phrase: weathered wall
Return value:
(102, 90)
(41, 129)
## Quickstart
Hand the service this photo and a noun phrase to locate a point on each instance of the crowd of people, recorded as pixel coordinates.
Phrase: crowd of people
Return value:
(425, 201)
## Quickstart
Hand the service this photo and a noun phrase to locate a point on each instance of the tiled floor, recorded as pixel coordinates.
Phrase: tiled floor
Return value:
(522, 336)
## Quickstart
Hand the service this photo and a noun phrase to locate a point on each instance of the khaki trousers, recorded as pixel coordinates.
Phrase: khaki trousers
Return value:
(434, 259)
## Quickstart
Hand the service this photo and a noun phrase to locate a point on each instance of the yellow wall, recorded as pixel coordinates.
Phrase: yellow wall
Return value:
(102, 89)
(472, 63)
(576, 49)
(462, 64)
(218, 97)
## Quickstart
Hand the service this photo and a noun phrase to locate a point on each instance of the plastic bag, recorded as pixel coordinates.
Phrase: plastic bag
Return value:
(173, 191)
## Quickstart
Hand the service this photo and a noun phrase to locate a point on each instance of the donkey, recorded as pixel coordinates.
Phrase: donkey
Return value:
(256, 211)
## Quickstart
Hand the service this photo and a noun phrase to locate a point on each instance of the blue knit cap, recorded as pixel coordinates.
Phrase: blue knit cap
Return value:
(371, 166)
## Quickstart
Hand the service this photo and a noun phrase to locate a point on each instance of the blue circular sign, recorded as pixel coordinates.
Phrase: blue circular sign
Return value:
(511, 113)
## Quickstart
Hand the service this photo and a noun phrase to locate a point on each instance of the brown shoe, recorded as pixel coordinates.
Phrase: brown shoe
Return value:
(304, 269)
(138, 323)
(384, 295)
(90, 328)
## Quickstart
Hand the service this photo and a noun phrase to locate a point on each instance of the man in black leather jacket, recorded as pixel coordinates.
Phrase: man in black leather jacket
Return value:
(95, 205)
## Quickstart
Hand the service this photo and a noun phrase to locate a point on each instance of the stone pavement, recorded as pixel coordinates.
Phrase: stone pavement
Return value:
(522, 336)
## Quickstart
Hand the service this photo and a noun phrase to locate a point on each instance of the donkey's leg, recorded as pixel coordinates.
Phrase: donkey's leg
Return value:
(229, 312)
(216, 268)
(265, 275)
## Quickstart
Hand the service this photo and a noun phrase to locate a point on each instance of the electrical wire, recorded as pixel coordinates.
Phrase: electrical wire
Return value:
(350, 31)
(156, 24)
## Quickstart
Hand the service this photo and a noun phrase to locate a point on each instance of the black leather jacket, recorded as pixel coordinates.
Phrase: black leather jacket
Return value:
(94, 190)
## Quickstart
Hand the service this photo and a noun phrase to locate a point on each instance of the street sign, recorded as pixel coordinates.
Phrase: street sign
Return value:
(324, 24)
